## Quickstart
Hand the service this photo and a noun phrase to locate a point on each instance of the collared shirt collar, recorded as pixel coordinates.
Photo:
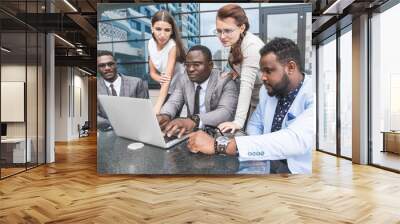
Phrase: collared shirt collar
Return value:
(203, 84)
(117, 85)
(116, 81)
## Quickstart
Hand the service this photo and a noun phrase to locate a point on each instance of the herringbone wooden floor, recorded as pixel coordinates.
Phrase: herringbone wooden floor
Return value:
(70, 191)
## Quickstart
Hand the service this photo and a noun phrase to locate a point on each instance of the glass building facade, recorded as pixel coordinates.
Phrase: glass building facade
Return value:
(125, 29)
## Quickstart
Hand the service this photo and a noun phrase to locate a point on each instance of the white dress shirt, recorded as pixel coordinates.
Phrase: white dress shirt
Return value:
(117, 85)
(160, 61)
(202, 98)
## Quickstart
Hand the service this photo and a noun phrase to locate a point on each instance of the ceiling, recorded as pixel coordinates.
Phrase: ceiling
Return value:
(76, 25)
(327, 13)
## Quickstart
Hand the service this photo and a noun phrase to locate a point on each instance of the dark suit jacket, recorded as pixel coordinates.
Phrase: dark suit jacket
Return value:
(220, 100)
(130, 87)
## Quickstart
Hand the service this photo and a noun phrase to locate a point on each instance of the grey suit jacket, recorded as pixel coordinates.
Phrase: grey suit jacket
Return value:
(220, 100)
(130, 87)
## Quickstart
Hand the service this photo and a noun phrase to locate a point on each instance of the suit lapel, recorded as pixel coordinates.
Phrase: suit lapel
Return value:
(210, 89)
(124, 87)
(102, 87)
(296, 107)
(190, 96)
(273, 101)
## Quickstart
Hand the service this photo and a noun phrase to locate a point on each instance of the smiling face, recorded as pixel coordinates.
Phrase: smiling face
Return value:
(107, 67)
(227, 31)
(274, 75)
(197, 66)
(162, 32)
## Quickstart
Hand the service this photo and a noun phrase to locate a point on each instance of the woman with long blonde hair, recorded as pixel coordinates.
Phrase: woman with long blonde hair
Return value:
(166, 55)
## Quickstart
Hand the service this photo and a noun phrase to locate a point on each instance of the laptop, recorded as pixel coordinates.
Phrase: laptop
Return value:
(134, 118)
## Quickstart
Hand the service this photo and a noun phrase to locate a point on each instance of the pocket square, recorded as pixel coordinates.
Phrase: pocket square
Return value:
(290, 116)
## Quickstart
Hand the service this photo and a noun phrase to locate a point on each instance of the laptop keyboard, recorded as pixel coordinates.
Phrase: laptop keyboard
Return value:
(167, 139)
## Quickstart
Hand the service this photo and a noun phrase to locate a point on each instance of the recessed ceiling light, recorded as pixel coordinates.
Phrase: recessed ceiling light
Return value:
(70, 5)
(86, 72)
(64, 40)
(337, 7)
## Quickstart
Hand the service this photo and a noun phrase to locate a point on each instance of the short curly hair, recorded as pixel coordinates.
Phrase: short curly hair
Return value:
(285, 50)
(206, 52)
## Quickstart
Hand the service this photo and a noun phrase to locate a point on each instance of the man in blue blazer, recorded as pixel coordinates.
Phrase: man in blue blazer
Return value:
(283, 125)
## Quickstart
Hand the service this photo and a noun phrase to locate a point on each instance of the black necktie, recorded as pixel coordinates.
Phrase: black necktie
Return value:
(113, 92)
(197, 100)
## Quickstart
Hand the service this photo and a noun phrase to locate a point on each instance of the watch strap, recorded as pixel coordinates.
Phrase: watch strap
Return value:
(196, 119)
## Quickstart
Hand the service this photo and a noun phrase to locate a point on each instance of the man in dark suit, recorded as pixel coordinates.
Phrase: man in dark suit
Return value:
(210, 99)
(114, 84)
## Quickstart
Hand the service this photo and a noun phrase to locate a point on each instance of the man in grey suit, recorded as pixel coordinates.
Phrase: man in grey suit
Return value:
(114, 84)
(209, 98)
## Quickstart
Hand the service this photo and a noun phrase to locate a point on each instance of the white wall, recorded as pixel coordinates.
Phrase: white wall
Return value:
(71, 102)
(17, 73)
(61, 103)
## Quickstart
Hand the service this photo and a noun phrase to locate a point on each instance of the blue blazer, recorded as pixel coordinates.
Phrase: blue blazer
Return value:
(294, 142)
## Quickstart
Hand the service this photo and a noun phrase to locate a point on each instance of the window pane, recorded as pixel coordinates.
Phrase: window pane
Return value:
(218, 51)
(130, 51)
(308, 64)
(13, 83)
(105, 47)
(327, 97)
(254, 21)
(123, 30)
(190, 42)
(32, 100)
(136, 69)
(346, 94)
(189, 24)
(41, 99)
(189, 7)
(126, 10)
(207, 23)
(287, 26)
(385, 86)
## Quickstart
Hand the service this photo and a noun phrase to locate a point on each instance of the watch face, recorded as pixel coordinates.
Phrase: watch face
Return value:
(223, 140)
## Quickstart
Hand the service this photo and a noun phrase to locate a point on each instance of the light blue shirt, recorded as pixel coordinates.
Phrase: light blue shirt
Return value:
(294, 142)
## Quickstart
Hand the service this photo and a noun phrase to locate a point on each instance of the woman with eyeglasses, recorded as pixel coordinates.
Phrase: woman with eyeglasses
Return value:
(232, 29)
(166, 55)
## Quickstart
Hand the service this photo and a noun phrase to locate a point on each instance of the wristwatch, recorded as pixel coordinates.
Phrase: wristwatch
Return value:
(220, 145)
(196, 119)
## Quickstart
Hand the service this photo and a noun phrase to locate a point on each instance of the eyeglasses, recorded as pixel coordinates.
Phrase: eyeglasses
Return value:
(103, 65)
(227, 32)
